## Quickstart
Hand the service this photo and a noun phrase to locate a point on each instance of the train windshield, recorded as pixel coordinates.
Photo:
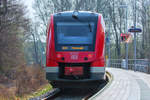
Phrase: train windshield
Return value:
(79, 35)
(75, 33)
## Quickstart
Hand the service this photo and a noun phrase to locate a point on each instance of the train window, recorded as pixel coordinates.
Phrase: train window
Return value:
(75, 33)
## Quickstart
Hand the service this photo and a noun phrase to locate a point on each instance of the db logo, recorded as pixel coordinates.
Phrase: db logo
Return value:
(74, 57)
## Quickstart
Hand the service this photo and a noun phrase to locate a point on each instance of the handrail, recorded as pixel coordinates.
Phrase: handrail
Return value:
(142, 65)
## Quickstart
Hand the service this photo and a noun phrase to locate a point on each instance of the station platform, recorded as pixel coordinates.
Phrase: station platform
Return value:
(126, 85)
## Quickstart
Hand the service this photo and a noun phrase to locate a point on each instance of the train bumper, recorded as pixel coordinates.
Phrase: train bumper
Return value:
(93, 77)
(96, 73)
(92, 82)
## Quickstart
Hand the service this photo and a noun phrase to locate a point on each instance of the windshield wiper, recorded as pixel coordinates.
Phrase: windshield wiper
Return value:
(90, 27)
(75, 16)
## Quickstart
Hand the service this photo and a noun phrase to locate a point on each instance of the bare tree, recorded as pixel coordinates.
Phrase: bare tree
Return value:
(110, 9)
(13, 28)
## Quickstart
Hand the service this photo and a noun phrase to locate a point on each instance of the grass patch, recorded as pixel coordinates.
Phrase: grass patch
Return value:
(44, 89)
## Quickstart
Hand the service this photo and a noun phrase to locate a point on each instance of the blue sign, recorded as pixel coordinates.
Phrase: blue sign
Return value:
(107, 40)
(135, 30)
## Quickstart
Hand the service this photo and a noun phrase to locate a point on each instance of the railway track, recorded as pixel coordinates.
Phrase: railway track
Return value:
(71, 94)
(80, 94)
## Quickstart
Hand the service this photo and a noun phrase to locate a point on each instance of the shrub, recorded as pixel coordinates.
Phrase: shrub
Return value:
(29, 79)
(7, 93)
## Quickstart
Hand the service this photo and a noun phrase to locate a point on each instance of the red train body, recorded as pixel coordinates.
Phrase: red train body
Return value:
(75, 47)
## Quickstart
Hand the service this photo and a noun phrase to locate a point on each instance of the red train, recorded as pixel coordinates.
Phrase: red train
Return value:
(75, 48)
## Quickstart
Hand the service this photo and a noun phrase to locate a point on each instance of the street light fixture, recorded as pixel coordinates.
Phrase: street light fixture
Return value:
(108, 19)
(135, 35)
(126, 30)
(120, 6)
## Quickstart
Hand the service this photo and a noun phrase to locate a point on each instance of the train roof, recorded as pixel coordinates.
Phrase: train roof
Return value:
(82, 16)
(80, 13)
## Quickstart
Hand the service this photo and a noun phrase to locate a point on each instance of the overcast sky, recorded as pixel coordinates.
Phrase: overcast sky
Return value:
(29, 3)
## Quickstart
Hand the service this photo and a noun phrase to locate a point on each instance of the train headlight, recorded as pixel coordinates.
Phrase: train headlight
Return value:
(90, 55)
(59, 56)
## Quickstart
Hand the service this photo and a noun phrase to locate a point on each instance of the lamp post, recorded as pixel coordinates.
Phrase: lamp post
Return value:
(121, 6)
(135, 35)
(126, 30)
(108, 37)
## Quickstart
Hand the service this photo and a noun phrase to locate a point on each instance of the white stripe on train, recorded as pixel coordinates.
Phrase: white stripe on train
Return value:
(93, 69)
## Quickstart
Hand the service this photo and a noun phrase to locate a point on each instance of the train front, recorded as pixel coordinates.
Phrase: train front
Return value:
(75, 48)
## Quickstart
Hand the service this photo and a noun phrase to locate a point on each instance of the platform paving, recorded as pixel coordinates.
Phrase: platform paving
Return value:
(126, 85)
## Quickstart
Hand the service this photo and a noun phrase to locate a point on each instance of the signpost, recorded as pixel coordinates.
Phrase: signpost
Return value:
(135, 30)
(126, 37)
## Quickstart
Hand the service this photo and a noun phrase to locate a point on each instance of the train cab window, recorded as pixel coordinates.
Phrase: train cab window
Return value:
(75, 34)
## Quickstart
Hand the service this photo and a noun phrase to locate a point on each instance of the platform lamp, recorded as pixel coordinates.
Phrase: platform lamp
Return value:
(126, 30)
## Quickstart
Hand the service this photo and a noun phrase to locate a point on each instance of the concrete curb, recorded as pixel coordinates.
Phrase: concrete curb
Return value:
(110, 79)
(47, 95)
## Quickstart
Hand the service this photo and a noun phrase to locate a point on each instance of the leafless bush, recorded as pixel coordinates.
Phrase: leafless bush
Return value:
(14, 80)
(7, 93)
(29, 79)
(26, 79)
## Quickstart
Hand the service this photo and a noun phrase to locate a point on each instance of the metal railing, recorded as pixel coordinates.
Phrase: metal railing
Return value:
(142, 65)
